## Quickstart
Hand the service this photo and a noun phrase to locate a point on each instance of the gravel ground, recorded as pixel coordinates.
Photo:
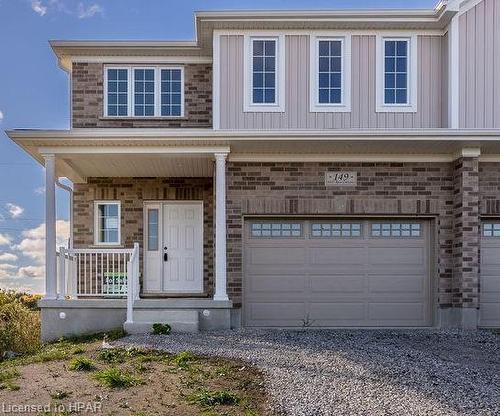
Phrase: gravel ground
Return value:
(360, 372)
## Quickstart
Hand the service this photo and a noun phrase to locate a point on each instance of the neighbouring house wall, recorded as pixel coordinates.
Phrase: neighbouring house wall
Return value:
(132, 192)
(87, 89)
(479, 58)
(432, 111)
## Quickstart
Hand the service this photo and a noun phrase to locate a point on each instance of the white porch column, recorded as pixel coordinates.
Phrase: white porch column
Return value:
(50, 228)
(220, 227)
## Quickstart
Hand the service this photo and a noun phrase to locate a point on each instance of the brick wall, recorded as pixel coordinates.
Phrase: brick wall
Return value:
(132, 192)
(87, 99)
(383, 188)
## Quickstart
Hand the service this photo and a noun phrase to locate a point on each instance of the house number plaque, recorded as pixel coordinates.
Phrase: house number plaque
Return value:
(341, 178)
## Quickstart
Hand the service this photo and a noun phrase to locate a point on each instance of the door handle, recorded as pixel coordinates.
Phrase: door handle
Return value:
(165, 255)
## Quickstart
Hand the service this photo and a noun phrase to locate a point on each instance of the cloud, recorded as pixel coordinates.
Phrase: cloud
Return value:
(36, 272)
(5, 239)
(8, 257)
(40, 190)
(90, 11)
(15, 211)
(1, 116)
(7, 270)
(38, 7)
(33, 243)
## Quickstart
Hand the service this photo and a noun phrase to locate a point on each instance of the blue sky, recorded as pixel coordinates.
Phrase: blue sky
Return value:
(34, 94)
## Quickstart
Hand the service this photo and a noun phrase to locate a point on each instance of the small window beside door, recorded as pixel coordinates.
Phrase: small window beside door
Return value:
(153, 229)
(107, 223)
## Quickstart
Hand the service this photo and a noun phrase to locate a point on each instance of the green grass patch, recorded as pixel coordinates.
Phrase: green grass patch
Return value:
(81, 364)
(207, 398)
(183, 359)
(8, 378)
(116, 378)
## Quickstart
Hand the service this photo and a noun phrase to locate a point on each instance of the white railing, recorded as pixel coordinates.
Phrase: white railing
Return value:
(133, 279)
(94, 272)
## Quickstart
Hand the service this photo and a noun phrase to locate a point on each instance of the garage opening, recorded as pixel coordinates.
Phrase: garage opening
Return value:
(331, 273)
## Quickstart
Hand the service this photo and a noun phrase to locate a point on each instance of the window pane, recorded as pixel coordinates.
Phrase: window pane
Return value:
(276, 230)
(117, 92)
(144, 92)
(396, 230)
(171, 86)
(108, 223)
(153, 229)
(264, 71)
(330, 71)
(396, 72)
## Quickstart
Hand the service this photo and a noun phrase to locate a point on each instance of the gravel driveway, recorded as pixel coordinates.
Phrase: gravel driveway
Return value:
(361, 372)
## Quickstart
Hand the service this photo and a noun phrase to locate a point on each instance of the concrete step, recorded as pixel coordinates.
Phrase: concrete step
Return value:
(181, 320)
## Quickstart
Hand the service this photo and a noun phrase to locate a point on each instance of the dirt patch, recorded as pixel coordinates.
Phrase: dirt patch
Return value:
(146, 383)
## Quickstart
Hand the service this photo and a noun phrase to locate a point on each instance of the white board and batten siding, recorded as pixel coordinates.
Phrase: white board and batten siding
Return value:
(432, 87)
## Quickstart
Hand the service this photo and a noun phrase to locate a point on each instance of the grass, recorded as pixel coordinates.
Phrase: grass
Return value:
(81, 364)
(183, 359)
(116, 378)
(207, 398)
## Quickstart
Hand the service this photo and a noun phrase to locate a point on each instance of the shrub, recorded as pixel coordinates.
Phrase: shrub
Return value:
(208, 398)
(81, 364)
(161, 329)
(112, 355)
(19, 324)
(115, 378)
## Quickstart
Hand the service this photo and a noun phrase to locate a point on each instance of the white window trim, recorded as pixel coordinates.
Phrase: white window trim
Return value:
(279, 105)
(96, 223)
(412, 80)
(131, 90)
(345, 105)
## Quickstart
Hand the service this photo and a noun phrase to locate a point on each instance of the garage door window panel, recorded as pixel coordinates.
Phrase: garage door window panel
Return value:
(396, 230)
(335, 230)
(276, 230)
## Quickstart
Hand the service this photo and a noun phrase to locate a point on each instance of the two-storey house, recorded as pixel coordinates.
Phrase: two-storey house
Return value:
(284, 169)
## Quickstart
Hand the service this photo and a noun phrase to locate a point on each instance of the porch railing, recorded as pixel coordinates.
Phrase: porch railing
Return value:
(95, 272)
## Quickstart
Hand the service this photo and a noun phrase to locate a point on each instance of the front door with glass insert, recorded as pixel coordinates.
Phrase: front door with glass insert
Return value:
(173, 255)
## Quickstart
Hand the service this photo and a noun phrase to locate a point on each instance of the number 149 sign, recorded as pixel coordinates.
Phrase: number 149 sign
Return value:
(341, 178)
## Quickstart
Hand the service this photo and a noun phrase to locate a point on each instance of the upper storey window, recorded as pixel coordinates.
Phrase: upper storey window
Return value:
(396, 70)
(330, 65)
(264, 73)
(144, 92)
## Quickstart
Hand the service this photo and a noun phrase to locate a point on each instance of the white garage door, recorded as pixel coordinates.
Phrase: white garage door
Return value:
(336, 273)
(489, 312)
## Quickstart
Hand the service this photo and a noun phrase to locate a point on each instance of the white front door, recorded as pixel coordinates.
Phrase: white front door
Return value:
(177, 264)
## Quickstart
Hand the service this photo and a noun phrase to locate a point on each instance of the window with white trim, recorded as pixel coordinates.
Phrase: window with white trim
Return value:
(491, 229)
(259, 229)
(396, 74)
(396, 230)
(153, 229)
(107, 222)
(336, 229)
(264, 73)
(153, 91)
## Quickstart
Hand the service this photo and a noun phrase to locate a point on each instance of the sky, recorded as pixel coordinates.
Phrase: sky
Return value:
(34, 94)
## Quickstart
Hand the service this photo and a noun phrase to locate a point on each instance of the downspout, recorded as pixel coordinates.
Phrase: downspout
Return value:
(70, 191)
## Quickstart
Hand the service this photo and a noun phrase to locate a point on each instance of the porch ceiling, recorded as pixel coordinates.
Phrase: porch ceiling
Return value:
(151, 165)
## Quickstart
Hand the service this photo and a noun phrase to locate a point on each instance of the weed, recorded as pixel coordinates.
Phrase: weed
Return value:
(81, 364)
(60, 395)
(207, 398)
(183, 359)
(116, 378)
(113, 355)
(161, 329)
